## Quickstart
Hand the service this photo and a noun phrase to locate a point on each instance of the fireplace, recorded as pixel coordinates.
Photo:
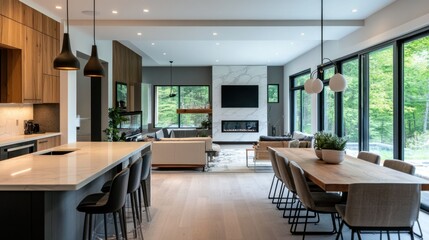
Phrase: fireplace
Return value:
(234, 126)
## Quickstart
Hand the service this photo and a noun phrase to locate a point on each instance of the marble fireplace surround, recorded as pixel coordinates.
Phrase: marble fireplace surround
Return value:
(239, 75)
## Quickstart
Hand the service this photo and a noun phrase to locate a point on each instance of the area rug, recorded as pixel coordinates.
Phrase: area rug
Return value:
(233, 159)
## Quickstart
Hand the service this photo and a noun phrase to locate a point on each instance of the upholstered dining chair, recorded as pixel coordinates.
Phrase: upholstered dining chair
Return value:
(380, 206)
(318, 202)
(276, 177)
(369, 157)
(404, 167)
(399, 165)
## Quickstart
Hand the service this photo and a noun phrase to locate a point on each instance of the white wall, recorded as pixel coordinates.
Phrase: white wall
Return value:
(81, 42)
(239, 75)
(399, 18)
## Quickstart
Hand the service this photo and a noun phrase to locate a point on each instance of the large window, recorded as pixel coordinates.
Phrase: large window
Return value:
(301, 109)
(350, 71)
(329, 102)
(416, 99)
(186, 97)
(380, 81)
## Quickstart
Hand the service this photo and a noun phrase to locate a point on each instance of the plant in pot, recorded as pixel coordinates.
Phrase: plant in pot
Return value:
(112, 131)
(320, 139)
(333, 149)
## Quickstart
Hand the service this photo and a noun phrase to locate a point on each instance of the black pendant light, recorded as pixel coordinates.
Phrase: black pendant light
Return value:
(66, 60)
(93, 67)
(171, 80)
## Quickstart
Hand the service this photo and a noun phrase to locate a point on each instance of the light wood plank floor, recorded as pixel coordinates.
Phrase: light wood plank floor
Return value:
(213, 206)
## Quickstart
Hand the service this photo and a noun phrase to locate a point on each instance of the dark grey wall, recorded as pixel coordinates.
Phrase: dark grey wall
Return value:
(181, 75)
(203, 76)
(275, 110)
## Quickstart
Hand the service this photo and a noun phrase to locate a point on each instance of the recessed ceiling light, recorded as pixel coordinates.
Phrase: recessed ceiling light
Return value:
(302, 34)
(215, 34)
(217, 60)
(114, 12)
(276, 53)
(354, 10)
(152, 44)
(292, 43)
(139, 33)
(146, 10)
(164, 54)
(217, 44)
(58, 7)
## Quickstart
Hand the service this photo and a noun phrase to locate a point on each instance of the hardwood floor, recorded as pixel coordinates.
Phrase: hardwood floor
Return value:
(213, 206)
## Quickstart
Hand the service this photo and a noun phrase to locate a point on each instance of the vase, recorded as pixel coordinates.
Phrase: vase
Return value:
(318, 153)
(333, 156)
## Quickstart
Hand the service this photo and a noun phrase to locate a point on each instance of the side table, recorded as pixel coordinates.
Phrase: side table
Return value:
(247, 155)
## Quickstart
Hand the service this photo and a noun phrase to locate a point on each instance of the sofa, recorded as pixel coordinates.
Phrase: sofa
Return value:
(261, 147)
(179, 154)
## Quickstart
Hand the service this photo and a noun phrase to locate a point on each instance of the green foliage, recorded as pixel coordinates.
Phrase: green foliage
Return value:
(188, 97)
(112, 131)
(207, 123)
(324, 140)
(273, 93)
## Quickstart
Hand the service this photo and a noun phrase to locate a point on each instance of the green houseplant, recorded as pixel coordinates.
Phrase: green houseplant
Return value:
(333, 149)
(112, 131)
(320, 139)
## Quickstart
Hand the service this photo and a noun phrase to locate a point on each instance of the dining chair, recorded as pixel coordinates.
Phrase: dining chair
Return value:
(404, 167)
(369, 157)
(143, 190)
(380, 206)
(317, 202)
(400, 165)
(286, 177)
(276, 177)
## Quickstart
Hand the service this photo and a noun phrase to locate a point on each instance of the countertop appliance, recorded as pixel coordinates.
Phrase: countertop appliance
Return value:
(31, 127)
(17, 149)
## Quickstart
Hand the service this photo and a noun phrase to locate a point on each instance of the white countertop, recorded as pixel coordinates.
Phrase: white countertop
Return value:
(34, 172)
(4, 141)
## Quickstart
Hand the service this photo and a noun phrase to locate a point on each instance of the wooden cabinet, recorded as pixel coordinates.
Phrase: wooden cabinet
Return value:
(12, 9)
(12, 33)
(32, 80)
(51, 51)
(48, 142)
(51, 89)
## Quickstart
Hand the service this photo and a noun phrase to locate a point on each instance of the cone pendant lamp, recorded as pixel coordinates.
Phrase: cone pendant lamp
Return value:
(66, 60)
(93, 67)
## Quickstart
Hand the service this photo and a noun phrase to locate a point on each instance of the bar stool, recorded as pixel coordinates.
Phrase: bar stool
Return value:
(103, 203)
(133, 186)
(147, 163)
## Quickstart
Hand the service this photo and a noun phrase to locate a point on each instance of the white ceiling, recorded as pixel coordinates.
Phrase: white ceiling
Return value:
(249, 32)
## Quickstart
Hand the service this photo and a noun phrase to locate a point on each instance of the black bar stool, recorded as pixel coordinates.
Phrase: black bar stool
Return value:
(133, 186)
(147, 164)
(103, 203)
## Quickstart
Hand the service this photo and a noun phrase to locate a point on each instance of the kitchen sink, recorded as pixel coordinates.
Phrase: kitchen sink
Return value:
(60, 152)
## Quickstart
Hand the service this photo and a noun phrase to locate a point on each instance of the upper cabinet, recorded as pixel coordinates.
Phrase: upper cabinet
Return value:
(32, 80)
(50, 52)
(12, 33)
(31, 42)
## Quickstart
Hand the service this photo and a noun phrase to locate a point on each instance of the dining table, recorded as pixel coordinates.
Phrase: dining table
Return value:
(338, 177)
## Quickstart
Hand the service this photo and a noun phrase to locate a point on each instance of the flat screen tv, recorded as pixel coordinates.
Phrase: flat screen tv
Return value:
(240, 96)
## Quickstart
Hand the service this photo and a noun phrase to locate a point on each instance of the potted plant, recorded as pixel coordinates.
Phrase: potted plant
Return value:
(333, 149)
(112, 131)
(319, 141)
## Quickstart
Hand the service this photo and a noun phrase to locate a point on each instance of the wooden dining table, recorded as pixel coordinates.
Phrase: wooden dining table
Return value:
(338, 177)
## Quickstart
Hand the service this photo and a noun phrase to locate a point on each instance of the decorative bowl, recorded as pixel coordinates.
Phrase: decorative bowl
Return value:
(333, 156)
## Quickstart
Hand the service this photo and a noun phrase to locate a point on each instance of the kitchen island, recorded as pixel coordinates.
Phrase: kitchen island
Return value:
(39, 193)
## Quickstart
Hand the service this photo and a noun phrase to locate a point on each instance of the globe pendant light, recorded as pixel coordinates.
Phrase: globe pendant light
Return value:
(66, 60)
(171, 80)
(337, 83)
(93, 67)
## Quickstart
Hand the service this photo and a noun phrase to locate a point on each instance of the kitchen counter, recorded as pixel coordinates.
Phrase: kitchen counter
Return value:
(36, 172)
(8, 140)
(44, 190)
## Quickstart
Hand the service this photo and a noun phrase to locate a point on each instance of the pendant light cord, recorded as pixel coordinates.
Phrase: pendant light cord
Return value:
(67, 3)
(321, 33)
(93, 22)
(171, 73)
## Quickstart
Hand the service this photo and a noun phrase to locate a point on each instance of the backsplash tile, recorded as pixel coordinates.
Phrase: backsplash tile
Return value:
(12, 118)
